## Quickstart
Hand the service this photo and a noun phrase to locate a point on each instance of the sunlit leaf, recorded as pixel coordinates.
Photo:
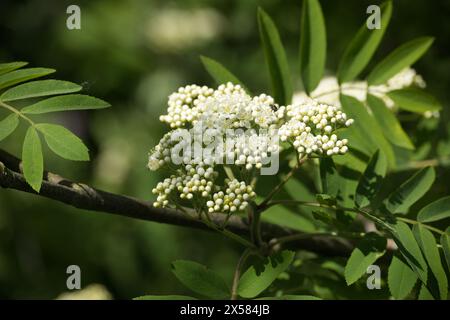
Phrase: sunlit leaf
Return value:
(437, 210)
(8, 125)
(402, 57)
(401, 279)
(414, 100)
(363, 46)
(10, 66)
(22, 75)
(200, 279)
(410, 191)
(63, 142)
(66, 103)
(389, 124)
(405, 240)
(275, 58)
(39, 88)
(313, 44)
(32, 159)
(219, 73)
(367, 251)
(366, 128)
(259, 277)
(430, 250)
(424, 294)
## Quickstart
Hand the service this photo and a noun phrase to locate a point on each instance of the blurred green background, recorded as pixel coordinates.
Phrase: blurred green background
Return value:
(133, 54)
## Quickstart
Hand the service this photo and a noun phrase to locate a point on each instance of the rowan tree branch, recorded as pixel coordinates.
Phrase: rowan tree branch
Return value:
(85, 197)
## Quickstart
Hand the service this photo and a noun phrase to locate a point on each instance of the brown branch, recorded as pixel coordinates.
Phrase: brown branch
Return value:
(85, 197)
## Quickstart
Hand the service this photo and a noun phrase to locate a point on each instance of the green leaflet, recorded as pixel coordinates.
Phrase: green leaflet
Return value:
(410, 250)
(424, 294)
(219, 73)
(401, 279)
(66, 103)
(389, 124)
(32, 160)
(370, 181)
(200, 279)
(437, 210)
(329, 177)
(63, 142)
(445, 243)
(8, 125)
(410, 191)
(362, 47)
(10, 66)
(402, 57)
(430, 250)
(256, 279)
(367, 251)
(366, 128)
(39, 88)
(275, 58)
(313, 44)
(414, 100)
(22, 75)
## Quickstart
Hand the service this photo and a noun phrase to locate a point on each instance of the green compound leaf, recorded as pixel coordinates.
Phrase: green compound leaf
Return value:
(437, 210)
(66, 103)
(389, 124)
(200, 279)
(8, 125)
(22, 75)
(370, 181)
(402, 57)
(414, 100)
(219, 73)
(39, 88)
(362, 47)
(313, 44)
(367, 251)
(63, 142)
(258, 278)
(430, 250)
(401, 279)
(32, 159)
(275, 58)
(410, 191)
(10, 66)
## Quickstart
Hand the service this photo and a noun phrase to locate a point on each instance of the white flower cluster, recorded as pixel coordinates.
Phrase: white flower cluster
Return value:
(310, 128)
(181, 106)
(231, 107)
(193, 180)
(255, 123)
(236, 197)
(328, 89)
